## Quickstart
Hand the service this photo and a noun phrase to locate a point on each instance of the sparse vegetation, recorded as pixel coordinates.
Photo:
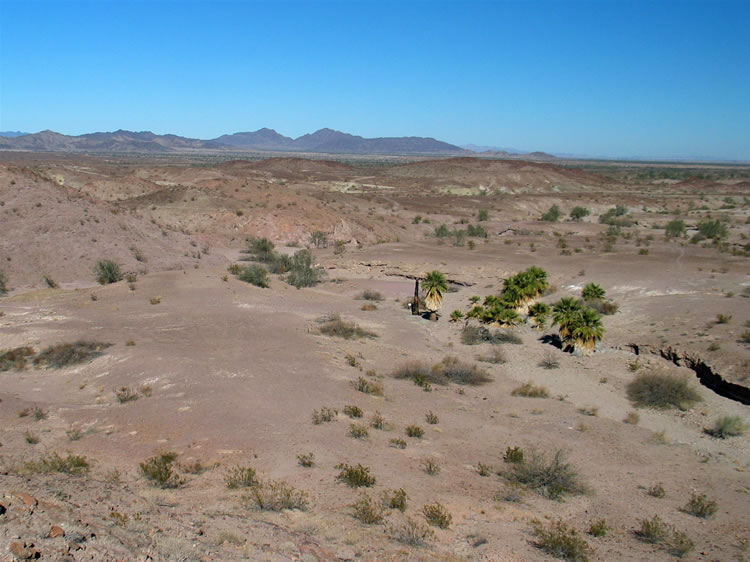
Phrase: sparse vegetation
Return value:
(432, 418)
(241, 477)
(358, 431)
(353, 411)
(333, 325)
(277, 496)
(632, 418)
(367, 511)
(450, 369)
(15, 359)
(307, 460)
(474, 335)
(3, 283)
(396, 499)
(107, 271)
(75, 465)
(656, 531)
(254, 274)
(598, 528)
(377, 421)
(653, 389)
(513, 455)
(561, 541)
(701, 506)
(728, 426)
(437, 516)
(548, 475)
(549, 361)
(66, 354)
(324, 415)
(657, 491)
(430, 466)
(355, 476)
(160, 471)
(368, 387)
(530, 390)
(397, 443)
(126, 394)
(551, 215)
(371, 295)
(411, 533)
(414, 431)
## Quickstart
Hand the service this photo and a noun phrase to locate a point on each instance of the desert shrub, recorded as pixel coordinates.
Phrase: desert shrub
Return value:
(430, 466)
(410, 532)
(578, 213)
(529, 390)
(255, 275)
(280, 264)
(16, 358)
(358, 431)
(333, 325)
(474, 335)
(31, 438)
(744, 337)
(674, 228)
(598, 528)
(713, 229)
(728, 426)
(511, 493)
(74, 433)
(194, 467)
(303, 272)
(319, 239)
(396, 499)
(549, 361)
(549, 476)
(106, 272)
(656, 491)
(51, 283)
(723, 318)
(76, 465)
(325, 415)
(306, 459)
(160, 470)
(368, 387)
(496, 357)
(450, 369)
(436, 515)
(367, 511)
(431, 418)
(353, 411)
(414, 431)
(126, 394)
(3, 283)
(561, 541)
(661, 390)
(483, 215)
(241, 477)
(371, 295)
(262, 249)
(355, 476)
(551, 215)
(615, 217)
(483, 469)
(368, 307)
(277, 496)
(656, 531)
(632, 418)
(513, 455)
(602, 306)
(66, 354)
(701, 506)
(589, 411)
(377, 421)
(397, 443)
(476, 231)
(155, 300)
(441, 231)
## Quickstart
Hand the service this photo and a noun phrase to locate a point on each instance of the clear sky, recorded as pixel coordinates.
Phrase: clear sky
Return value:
(656, 79)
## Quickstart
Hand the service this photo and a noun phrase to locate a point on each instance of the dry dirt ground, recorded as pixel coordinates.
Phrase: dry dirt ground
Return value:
(228, 375)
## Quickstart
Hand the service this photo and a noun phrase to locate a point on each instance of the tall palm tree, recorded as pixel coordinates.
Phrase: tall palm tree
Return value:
(564, 313)
(435, 285)
(587, 329)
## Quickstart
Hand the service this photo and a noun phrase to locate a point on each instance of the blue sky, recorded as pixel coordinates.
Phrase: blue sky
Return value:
(655, 79)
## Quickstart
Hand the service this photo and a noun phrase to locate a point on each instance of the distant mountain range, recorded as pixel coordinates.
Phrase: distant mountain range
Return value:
(323, 141)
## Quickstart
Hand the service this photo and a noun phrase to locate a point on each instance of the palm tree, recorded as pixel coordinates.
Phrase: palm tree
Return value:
(434, 285)
(592, 291)
(539, 311)
(565, 312)
(587, 329)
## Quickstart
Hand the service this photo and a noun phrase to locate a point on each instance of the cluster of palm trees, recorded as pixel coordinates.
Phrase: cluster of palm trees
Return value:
(580, 326)
(519, 293)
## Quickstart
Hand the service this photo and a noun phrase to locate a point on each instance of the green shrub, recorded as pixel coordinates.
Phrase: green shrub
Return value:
(728, 426)
(593, 291)
(483, 215)
(367, 511)
(713, 229)
(476, 231)
(441, 231)
(255, 275)
(262, 250)
(277, 496)
(662, 391)
(16, 358)
(598, 528)
(65, 354)
(333, 325)
(549, 476)
(456, 315)
(241, 477)
(107, 271)
(160, 472)
(529, 390)
(76, 465)
(319, 239)
(551, 215)
(674, 228)
(578, 213)
(700, 506)
(513, 455)
(51, 283)
(561, 541)
(437, 516)
(355, 476)
(3, 283)
(303, 272)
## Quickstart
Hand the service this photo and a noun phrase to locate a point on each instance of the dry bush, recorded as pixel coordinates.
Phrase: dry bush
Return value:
(548, 475)
(333, 325)
(653, 389)
(632, 418)
(66, 354)
(353, 411)
(430, 466)
(277, 496)
(368, 387)
(241, 477)
(496, 357)
(561, 541)
(370, 295)
(396, 499)
(126, 394)
(76, 465)
(657, 491)
(589, 411)
(529, 390)
(397, 443)
(437, 516)
(728, 426)
(411, 533)
(598, 528)
(325, 415)
(358, 431)
(549, 361)
(367, 511)
(451, 369)
(16, 358)
(656, 531)
(474, 335)
(701, 506)
(160, 472)
(307, 460)
(431, 418)
(355, 476)
(378, 421)
(414, 431)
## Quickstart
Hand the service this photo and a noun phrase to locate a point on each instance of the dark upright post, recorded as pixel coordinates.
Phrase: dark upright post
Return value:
(415, 302)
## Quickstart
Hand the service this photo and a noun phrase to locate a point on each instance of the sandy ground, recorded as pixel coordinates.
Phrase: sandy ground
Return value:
(234, 373)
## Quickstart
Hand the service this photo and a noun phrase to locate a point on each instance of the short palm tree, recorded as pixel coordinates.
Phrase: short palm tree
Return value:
(587, 329)
(592, 291)
(435, 286)
(539, 311)
(564, 313)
